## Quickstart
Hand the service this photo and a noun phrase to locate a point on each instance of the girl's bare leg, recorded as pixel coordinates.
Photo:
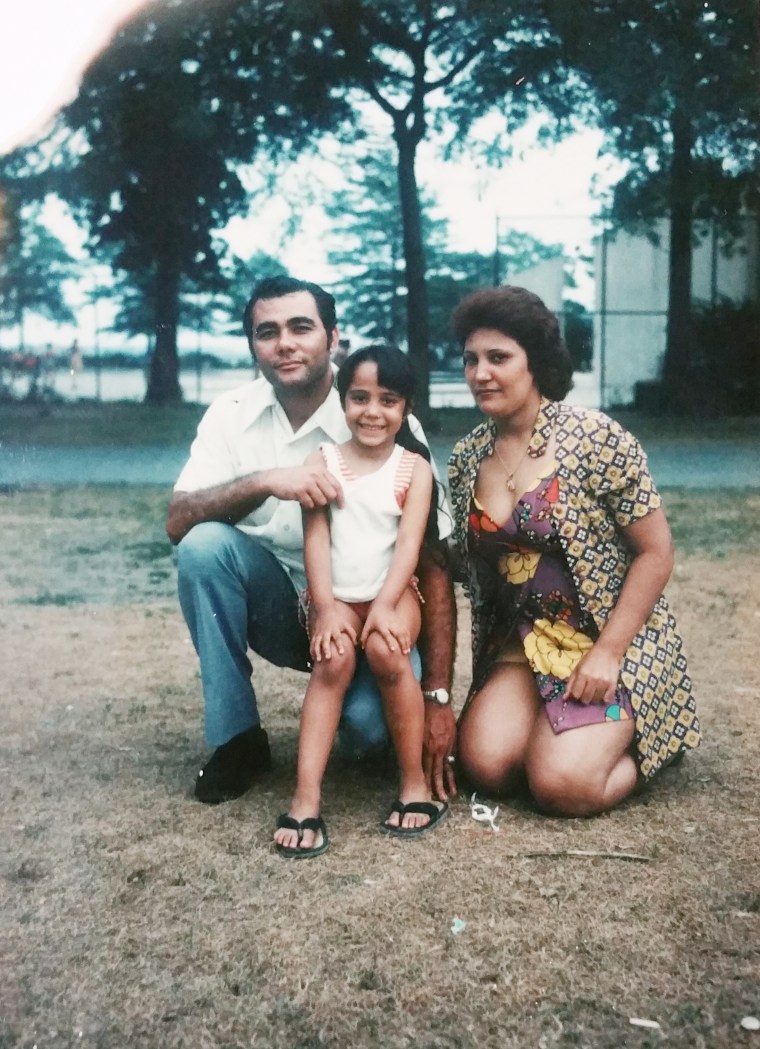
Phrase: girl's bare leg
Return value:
(320, 715)
(496, 728)
(404, 710)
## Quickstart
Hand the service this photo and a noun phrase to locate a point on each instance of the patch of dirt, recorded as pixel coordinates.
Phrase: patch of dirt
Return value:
(132, 916)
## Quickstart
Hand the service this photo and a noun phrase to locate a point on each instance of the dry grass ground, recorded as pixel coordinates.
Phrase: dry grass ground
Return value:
(134, 918)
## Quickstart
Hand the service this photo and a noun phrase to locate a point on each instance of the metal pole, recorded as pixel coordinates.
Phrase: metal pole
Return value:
(496, 255)
(603, 323)
(198, 361)
(98, 394)
(714, 265)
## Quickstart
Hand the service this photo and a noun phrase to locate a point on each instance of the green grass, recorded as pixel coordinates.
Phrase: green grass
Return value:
(92, 425)
(714, 522)
(89, 424)
(46, 598)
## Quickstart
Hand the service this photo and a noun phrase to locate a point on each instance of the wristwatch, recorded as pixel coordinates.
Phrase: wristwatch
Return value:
(441, 696)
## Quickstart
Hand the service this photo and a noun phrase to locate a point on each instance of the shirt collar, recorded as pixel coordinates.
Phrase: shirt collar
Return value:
(329, 416)
(542, 428)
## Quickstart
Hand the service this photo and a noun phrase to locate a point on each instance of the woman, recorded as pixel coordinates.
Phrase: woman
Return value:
(579, 684)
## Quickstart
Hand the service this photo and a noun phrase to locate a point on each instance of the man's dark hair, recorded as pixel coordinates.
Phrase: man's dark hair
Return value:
(522, 316)
(282, 284)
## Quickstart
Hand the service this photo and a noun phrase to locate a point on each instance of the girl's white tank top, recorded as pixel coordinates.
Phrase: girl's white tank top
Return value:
(363, 531)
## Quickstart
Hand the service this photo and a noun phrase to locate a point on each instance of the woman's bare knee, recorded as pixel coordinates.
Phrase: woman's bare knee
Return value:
(570, 791)
(493, 770)
(561, 794)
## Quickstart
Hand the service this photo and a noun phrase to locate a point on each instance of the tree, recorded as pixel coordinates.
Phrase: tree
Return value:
(411, 58)
(366, 226)
(367, 231)
(168, 113)
(33, 266)
(240, 276)
(677, 92)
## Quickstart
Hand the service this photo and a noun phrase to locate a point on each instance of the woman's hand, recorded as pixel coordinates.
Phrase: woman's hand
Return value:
(330, 629)
(595, 678)
(384, 620)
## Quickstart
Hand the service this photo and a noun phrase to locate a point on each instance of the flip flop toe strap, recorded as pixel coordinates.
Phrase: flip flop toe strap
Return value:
(421, 808)
(317, 824)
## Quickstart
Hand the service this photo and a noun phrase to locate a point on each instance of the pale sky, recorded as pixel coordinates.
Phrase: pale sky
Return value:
(44, 47)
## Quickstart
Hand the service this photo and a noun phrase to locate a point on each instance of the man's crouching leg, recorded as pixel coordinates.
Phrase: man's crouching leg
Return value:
(233, 592)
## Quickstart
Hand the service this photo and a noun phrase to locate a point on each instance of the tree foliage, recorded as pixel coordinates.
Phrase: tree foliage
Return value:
(366, 231)
(33, 266)
(167, 114)
(415, 60)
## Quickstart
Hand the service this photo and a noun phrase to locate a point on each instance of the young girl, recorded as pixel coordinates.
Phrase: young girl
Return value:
(360, 560)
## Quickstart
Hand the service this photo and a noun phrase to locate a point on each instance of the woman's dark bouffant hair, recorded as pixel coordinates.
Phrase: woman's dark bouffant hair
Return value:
(522, 316)
(394, 372)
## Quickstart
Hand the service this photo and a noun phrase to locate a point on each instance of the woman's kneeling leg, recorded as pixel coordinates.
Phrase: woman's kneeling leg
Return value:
(495, 729)
(582, 771)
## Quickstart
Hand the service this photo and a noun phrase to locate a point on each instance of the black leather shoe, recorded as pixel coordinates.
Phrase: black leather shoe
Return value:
(233, 767)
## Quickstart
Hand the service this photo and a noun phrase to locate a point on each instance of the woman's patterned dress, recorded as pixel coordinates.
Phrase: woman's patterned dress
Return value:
(539, 604)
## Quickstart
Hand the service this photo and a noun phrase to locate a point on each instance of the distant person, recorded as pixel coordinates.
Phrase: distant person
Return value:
(236, 515)
(360, 562)
(49, 369)
(580, 687)
(76, 363)
(33, 368)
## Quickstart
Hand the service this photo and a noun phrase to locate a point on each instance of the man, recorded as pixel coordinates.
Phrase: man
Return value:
(236, 515)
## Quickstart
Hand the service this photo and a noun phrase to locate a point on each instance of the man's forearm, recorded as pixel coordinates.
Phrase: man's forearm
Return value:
(437, 640)
(228, 503)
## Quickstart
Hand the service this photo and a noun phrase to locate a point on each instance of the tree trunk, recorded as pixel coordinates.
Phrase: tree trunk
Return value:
(679, 378)
(163, 378)
(417, 328)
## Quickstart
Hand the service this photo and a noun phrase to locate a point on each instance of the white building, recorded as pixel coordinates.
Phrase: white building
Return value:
(632, 300)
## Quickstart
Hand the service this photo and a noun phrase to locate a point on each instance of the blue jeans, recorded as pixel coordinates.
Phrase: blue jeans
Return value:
(234, 593)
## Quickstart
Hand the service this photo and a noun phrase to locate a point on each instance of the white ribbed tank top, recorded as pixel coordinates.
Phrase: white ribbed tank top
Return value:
(363, 531)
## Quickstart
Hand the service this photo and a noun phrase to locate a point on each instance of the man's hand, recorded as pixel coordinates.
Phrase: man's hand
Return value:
(439, 744)
(312, 485)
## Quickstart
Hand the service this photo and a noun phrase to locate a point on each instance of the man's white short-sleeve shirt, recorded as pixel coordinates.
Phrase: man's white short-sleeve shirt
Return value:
(246, 431)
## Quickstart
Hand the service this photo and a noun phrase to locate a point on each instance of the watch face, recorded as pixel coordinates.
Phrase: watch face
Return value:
(439, 695)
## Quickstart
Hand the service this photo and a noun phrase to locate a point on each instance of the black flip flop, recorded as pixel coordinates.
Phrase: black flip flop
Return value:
(436, 810)
(316, 824)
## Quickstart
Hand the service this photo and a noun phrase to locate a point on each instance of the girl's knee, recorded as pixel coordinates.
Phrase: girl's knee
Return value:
(386, 666)
(336, 671)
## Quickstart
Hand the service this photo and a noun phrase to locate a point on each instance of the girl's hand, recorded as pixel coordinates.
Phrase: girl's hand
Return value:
(329, 629)
(595, 678)
(385, 621)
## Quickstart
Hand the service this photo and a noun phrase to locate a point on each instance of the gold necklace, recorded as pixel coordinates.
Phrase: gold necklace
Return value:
(511, 473)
